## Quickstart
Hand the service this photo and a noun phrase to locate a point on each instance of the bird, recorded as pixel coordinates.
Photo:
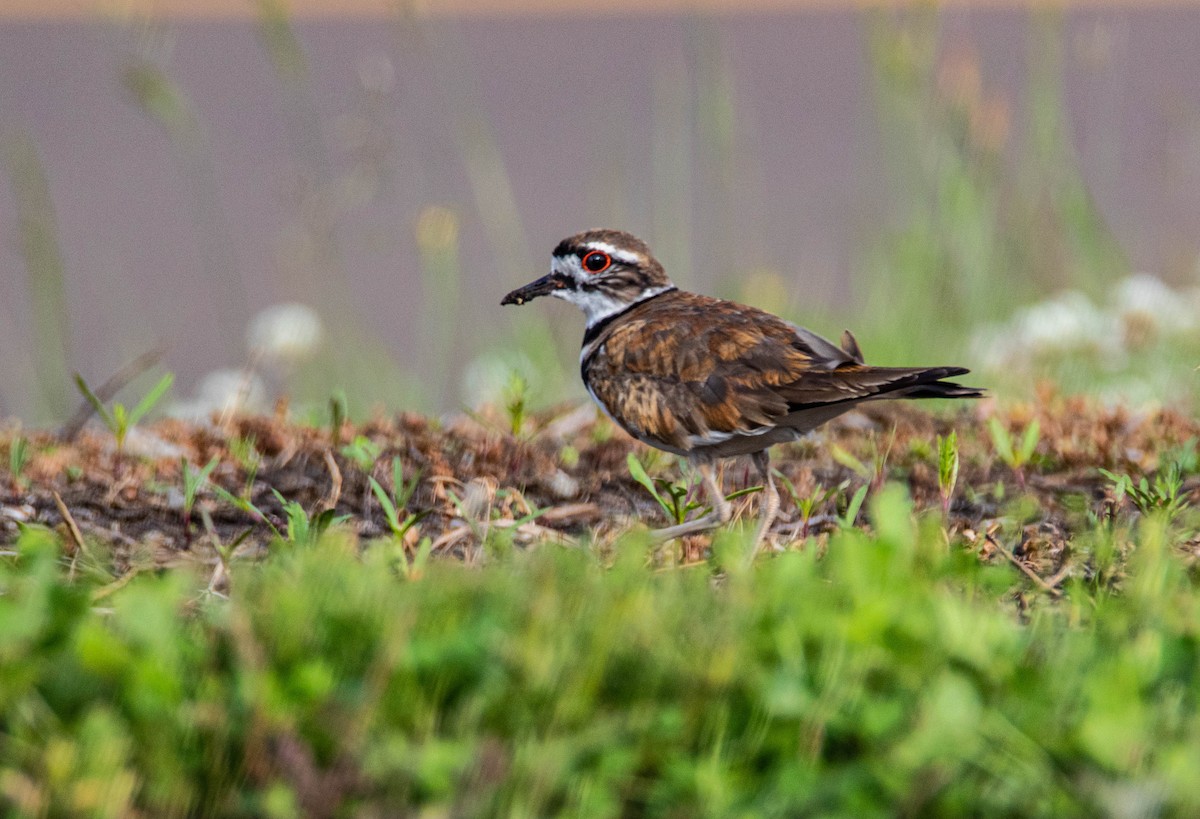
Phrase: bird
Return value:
(705, 378)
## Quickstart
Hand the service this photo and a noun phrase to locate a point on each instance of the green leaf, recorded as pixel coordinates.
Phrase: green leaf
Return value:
(121, 424)
(193, 479)
(337, 415)
(851, 462)
(18, 456)
(847, 520)
(245, 505)
(638, 473)
(151, 398)
(299, 527)
(947, 462)
(1002, 441)
(96, 403)
(403, 489)
(389, 508)
(1030, 441)
(741, 493)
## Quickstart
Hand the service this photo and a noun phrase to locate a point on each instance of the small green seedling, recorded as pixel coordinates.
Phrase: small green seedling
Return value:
(393, 504)
(947, 449)
(514, 401)
(119, 419)
(363, 452)
(809, 504)
(674, 498)
(337, 415)
(193, 480)
(247, 506)
(850, 516)
(875, 472)
(303, 530)
(1015, 458)
(245, 453)
(1160, 495)
(414, 568)
(18, 458)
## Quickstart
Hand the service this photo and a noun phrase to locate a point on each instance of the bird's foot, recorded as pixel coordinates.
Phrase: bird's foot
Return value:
(701, 524)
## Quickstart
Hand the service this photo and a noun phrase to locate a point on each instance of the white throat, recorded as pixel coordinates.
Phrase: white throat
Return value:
(598, 306)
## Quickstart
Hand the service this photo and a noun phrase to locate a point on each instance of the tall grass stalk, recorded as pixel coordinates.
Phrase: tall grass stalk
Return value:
(474, 137)
(970, 239)
(145, 76)
(312, 256)
(45, 273)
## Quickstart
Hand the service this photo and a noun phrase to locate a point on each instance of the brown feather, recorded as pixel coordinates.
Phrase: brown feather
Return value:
(689, 373)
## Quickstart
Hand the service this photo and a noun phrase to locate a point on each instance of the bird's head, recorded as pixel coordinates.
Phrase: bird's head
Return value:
(600, 271)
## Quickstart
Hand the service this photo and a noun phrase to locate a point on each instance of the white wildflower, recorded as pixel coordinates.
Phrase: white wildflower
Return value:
(223, 391)
(995, 347)
(285, 334)
(1065, 323)
(487, 379)
(1147, 308)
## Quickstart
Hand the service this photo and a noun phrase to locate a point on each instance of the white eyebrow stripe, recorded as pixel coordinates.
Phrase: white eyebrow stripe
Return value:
(622, 256)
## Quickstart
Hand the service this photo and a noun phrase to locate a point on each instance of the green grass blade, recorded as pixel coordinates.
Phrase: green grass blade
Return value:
(151, 398)
(638, 473)
(389, 508)
(96, 403)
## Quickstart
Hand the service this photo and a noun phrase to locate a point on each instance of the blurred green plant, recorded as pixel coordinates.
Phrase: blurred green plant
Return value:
(1015, 457)
(246, 505)
(45, 272)
(515, 401)
(338, 413)
(193, 481)
(947, 452)
(808, 504)
(1162, 494)
(397, 501)
(547, 683)
(675, 499)
(363, 452)
(875, 472)
(977, 228)
(244, 450)
(119, 419)
(849, 517)
(18, 459)
(304, 529)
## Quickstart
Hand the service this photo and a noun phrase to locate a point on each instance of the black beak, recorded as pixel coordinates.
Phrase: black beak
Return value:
(543, 286)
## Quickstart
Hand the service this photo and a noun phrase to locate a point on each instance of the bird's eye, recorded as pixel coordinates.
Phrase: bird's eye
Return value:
(597, 261)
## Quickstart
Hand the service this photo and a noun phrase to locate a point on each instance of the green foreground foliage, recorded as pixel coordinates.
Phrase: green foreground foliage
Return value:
(890, 674)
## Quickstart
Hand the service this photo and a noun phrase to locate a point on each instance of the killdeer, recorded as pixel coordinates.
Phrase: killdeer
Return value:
(706, 378)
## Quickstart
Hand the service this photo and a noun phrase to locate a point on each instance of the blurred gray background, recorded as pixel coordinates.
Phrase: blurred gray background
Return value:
(399, 174)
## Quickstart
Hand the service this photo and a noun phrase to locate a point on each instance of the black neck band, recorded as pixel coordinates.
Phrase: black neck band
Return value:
(594, 330)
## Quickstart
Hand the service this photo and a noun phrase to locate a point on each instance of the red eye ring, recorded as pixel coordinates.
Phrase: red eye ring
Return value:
(596, 261)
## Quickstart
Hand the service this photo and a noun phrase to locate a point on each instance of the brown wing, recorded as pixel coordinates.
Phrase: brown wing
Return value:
(684, 371)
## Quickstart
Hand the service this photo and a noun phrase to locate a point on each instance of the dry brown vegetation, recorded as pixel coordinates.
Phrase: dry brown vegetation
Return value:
(565, 476)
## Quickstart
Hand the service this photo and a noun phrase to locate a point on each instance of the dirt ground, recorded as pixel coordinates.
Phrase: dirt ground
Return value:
(565, 475)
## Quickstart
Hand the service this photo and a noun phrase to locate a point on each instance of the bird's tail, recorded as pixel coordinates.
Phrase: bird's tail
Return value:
(928, 383)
